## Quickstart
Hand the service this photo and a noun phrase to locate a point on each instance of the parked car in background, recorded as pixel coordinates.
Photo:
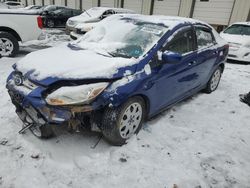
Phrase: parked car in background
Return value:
(58, 18)
(14, 4)
(17, 25)
(238, 37)
(90, 17)
(128, 68)
(33, 7)
(49, 8)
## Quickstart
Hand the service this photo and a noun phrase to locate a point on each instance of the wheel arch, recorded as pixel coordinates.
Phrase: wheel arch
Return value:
(11, 31)
(146, 101)
(222, 66)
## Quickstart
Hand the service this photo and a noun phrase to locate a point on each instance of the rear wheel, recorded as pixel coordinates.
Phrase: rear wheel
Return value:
(42, 131)
(9, 46)
(50, 23)
(214, 81)
(119, 124)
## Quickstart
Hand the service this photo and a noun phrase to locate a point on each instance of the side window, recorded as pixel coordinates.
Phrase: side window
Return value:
(183, 42)
(107, 13)
(67, 12)
(204, 36)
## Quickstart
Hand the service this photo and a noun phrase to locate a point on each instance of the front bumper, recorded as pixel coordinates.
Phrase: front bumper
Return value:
(29, 102)
(36, 107)
(69, 29)
(239, 54)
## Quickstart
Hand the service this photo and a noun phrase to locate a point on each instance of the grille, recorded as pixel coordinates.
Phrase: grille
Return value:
(230, 55)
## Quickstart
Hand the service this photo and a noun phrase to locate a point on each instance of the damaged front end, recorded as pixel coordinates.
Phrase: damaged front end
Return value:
(63, 102)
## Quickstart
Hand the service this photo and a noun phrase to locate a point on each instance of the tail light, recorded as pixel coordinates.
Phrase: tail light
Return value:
(40, 22)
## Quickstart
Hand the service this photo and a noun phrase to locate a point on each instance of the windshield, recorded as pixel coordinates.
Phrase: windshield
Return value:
(93, 12)
(238, 29)
(58, 11)
(122, 37)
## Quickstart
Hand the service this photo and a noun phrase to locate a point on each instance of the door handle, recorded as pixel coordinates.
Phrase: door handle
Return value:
(192, 63)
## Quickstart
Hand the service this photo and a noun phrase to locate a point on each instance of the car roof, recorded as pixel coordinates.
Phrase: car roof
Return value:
(242, 23)
(112, 8)
(169, 21)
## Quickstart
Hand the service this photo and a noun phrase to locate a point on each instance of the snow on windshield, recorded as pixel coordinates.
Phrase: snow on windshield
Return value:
(123, 37)
(94, 12)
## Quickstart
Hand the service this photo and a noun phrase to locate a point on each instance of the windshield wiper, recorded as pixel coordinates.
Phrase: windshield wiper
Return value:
(87, 13)
(119, 55)
(106, 55)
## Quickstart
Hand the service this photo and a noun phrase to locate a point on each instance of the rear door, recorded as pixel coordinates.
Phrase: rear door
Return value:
(207, 52)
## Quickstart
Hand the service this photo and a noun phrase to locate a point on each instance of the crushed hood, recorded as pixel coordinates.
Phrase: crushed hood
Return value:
(64, 63)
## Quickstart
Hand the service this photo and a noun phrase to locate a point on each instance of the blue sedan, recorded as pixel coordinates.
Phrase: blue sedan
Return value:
(124, 71)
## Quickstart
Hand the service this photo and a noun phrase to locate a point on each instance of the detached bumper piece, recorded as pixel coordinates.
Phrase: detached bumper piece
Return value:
(245, 98)
(30, 118)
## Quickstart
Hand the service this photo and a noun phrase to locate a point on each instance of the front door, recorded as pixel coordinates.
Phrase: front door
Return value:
(172, 82)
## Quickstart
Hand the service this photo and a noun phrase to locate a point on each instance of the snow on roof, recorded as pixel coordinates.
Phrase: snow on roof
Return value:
(169, 21)
(173, 21)
(111, 8)
(242, 23)
(18, 11)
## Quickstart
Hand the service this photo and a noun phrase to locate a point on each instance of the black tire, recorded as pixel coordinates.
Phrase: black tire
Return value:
(45, 131)
(14, 42)
(211, 87)
(51, 23)
(112, 119)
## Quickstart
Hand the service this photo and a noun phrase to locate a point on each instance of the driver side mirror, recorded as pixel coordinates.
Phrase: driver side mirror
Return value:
(169, 57)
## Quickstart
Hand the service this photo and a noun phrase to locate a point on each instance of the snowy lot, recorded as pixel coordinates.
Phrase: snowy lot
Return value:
(202, 142)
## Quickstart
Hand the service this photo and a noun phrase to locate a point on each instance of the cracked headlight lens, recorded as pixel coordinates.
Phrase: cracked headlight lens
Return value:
(71, 95)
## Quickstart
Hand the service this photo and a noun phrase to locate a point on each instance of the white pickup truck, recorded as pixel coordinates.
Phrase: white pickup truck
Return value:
(17, 26)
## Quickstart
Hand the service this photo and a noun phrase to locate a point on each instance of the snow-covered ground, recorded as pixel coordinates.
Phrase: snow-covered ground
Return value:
(202, 142)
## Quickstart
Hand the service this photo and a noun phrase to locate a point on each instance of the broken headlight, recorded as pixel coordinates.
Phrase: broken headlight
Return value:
(71, 95)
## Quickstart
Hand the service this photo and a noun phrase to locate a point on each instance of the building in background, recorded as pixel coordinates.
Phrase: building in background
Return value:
(219, 13)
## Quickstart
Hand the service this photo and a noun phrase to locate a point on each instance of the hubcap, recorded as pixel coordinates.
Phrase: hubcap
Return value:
(6, 47)
(215, 80)
(131, 120)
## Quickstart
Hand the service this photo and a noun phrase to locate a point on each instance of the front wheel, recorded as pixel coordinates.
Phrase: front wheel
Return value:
(119, 124)
(9, 46)
(42, 131)
(214, 81)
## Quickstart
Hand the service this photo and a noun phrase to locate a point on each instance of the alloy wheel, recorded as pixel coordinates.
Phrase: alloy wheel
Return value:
(6, 47)
(215, 80)
(130, 120)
